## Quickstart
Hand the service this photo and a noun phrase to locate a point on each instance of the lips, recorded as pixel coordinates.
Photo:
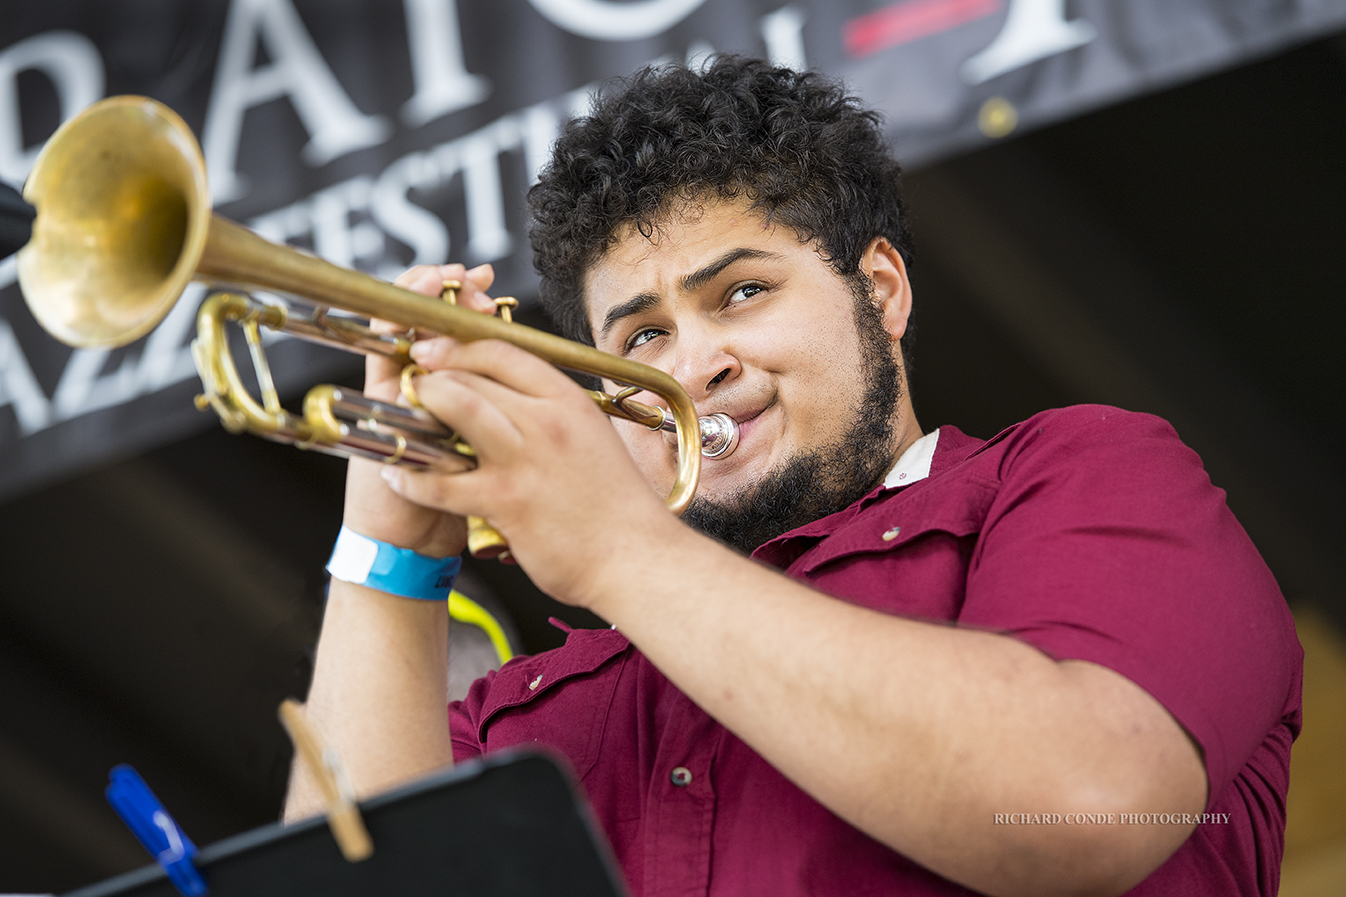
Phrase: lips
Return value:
(746, 420)
(745, 423)
(742, 414)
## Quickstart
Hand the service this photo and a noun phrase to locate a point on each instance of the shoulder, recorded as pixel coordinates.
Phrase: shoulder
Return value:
(1107, 541)
(1110, 448)
(1078, 426)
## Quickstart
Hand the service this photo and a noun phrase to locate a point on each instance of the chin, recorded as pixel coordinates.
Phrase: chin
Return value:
(727, 477)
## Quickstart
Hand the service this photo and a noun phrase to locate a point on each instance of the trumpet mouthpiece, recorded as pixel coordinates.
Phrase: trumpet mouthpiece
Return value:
(719, 435)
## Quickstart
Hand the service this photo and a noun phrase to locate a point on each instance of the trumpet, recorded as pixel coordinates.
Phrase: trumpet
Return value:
(124, 224)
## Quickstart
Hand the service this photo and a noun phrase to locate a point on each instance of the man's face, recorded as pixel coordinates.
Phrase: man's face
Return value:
(757, 325)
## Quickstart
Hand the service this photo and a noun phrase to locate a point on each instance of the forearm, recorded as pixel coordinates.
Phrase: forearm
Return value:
(379, 689)
(916, 733)
(379, 692)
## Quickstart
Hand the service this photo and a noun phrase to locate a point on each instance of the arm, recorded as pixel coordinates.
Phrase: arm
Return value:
(916, 733)
(379, 681)
(919, 733)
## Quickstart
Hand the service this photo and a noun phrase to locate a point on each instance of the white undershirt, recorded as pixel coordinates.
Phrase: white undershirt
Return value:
(914, 465)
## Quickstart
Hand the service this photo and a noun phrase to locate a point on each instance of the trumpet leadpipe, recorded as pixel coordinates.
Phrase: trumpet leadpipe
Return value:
(718, 432)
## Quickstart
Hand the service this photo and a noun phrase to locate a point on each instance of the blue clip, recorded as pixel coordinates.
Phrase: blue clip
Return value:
(136, 804)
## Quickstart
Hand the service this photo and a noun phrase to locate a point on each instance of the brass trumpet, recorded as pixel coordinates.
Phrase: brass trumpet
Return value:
(124, 224)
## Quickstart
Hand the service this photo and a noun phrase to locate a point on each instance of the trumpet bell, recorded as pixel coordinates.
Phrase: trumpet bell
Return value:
(123, 215)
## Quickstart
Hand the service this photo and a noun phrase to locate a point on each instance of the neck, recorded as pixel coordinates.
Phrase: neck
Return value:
(907, 431)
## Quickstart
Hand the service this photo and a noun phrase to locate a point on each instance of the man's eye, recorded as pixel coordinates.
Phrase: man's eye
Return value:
(747, 291)
(641, 337)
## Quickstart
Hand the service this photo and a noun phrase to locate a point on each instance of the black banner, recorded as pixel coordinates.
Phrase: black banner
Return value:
(384, 133)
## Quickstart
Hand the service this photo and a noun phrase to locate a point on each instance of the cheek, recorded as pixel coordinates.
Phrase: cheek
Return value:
(822, 379)
(814, 329)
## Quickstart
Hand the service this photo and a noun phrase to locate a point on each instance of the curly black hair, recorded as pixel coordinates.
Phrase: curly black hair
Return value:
(795, 145)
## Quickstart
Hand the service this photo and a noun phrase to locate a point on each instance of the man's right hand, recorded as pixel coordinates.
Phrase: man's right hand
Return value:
(372, 509)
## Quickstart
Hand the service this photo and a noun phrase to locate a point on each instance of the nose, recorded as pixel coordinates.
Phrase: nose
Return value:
(704, 363)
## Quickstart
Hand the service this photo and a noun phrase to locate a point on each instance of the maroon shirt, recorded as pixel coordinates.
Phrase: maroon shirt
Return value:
(1089, 532)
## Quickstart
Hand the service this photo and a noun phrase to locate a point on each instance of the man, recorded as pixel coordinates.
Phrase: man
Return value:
(1113, 709)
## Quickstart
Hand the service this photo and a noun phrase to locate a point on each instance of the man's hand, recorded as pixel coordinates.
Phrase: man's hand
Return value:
(372, 509)
(552, 474)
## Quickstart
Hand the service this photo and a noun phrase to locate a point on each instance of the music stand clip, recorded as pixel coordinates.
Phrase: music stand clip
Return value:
(325, 765)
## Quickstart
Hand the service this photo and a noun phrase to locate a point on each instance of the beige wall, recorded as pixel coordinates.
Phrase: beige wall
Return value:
(1315, 835)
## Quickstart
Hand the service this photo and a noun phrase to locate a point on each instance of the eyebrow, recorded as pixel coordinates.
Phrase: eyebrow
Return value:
(700, 278)
(643, 302)
(634, 306)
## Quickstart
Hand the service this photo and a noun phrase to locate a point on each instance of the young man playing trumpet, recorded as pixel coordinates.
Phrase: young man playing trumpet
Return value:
(1113, 706)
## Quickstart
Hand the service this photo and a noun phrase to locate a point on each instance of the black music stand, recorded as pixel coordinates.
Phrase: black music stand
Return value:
(509, 824)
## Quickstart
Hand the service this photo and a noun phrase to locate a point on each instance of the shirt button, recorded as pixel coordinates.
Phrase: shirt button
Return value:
(682, 776)
(892, 534)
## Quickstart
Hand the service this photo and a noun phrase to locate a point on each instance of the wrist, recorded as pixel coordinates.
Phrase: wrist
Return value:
(659, 542)
(361, 560)
(374, 510)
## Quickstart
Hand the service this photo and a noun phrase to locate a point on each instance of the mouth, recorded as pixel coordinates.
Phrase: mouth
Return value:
(747, 422)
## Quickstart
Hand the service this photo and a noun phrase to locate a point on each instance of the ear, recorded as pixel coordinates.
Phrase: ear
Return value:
(883, 264)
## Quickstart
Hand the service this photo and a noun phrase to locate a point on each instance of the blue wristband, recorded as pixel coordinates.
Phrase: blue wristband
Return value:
(398, 571)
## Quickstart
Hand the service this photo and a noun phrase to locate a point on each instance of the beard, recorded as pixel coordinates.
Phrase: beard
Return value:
(824, 479)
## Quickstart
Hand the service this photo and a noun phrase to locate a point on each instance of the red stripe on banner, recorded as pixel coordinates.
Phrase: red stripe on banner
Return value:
(910, 20)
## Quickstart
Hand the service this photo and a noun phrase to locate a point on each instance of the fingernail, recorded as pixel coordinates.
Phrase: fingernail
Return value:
(430, 349)
(392, 476)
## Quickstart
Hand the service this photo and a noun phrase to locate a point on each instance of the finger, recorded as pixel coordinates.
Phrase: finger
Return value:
(454, 493)
(429, 279)
(381, 374)
(470, 414)
(511, 403)
(433, 352)
(453, 463)
(502, 362)
(475, 284)
(481, 276)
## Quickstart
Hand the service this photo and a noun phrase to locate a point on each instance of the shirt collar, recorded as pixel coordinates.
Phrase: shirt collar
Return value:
(914, 465)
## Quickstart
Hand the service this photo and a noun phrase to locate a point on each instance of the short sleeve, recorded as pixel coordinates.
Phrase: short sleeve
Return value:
(464, 719)
(1107, 542)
